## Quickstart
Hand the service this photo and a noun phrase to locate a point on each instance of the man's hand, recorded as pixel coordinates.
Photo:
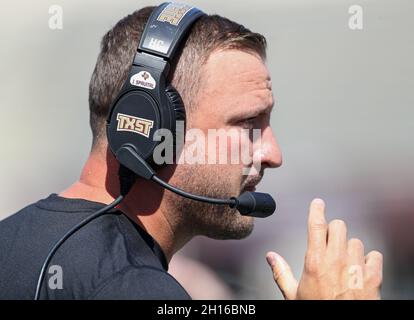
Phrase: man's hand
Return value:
(334, 267)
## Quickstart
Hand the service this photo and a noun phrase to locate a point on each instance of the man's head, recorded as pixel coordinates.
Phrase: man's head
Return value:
(221, 76)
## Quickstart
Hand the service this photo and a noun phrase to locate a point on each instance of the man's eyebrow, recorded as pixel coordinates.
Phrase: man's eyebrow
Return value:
(264, 109)
(252, 112)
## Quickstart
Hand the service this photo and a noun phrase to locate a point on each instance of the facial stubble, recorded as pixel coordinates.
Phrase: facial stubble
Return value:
(198, 218)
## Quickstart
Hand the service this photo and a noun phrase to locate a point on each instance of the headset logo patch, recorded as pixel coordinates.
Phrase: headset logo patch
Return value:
(134, 124)
(173, 13)
(143, 79)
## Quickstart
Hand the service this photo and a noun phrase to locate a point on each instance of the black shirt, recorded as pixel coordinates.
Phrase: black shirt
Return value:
(109, 258)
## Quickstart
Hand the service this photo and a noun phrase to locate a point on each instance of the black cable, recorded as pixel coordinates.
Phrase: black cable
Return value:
(232, 202)
(67, 235)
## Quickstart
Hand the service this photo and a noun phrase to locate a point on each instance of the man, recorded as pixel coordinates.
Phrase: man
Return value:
(225, 84)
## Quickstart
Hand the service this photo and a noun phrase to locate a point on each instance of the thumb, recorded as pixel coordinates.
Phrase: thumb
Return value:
(283, 275)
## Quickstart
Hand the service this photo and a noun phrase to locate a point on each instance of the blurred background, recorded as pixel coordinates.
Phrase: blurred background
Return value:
(343, 119)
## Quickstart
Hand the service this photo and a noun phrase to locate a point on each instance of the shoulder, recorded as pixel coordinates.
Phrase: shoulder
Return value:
(145, 283)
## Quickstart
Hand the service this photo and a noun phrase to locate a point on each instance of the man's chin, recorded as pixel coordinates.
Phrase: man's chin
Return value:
(238, 229)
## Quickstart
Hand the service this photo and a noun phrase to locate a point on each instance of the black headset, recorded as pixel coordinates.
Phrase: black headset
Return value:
(147, 103)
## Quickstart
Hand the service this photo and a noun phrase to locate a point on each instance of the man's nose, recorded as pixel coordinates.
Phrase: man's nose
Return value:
(271, 156)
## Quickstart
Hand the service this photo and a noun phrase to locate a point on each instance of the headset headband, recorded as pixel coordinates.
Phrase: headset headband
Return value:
(166, 28)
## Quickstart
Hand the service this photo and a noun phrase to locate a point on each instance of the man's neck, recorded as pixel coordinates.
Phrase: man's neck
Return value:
(143, 204)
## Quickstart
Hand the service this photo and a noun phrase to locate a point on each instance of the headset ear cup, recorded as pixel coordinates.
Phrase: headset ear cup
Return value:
(176, 103)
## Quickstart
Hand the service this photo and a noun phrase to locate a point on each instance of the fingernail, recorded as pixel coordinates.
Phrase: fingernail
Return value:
(318, 202)
(271, 259)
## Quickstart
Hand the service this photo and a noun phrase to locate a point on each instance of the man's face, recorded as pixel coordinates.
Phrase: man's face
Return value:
(234, 94)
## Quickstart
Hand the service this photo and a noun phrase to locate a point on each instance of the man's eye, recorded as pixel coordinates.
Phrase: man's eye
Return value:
(248, 123)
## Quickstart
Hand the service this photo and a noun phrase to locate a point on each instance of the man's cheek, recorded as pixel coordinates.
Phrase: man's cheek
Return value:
(240, 147)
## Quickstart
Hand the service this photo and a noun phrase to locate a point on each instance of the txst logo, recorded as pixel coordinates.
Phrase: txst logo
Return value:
(134, 124)
(143, 79)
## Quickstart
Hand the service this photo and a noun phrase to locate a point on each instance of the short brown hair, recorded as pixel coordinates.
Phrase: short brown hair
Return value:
(118, 46)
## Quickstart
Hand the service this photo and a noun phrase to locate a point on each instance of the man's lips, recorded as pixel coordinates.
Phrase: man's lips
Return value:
(251, 186)
(252, 183)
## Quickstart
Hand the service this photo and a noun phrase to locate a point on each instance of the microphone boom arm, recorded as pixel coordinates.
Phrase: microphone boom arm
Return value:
(253, 204)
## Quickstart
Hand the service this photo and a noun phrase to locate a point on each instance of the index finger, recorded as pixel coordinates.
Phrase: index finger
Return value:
(317, 226)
